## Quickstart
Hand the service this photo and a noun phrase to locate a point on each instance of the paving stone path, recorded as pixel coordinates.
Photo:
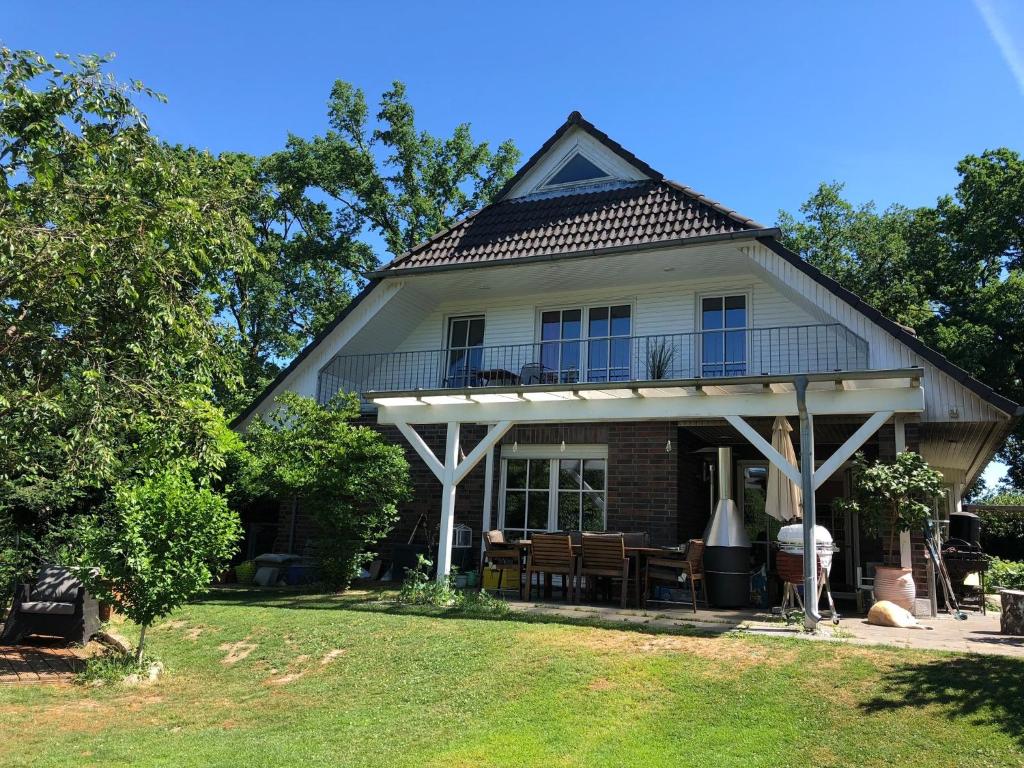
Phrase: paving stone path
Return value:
(37, 663)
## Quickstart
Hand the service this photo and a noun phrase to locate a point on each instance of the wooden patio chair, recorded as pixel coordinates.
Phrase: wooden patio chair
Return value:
(551, 554)
(604, 556)
(636, 539)
(668, 569)
(502, 557)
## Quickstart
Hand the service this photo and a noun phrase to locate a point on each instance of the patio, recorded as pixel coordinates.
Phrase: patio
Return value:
(42, 661)
(978, 634)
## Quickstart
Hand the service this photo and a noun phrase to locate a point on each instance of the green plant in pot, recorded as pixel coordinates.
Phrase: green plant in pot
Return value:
(891, 498)
(659, 360)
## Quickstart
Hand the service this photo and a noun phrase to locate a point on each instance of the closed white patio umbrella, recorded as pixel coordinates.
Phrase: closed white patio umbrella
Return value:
(782, 499)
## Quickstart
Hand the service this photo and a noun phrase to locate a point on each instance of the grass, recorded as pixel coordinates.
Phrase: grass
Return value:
(266, 679)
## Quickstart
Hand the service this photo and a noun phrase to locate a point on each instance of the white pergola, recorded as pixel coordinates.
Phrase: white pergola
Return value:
(878, 395)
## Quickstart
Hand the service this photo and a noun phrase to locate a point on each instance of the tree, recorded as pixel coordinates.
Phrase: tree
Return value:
(891, 497)
(156, 544)
(109, 241)
(310, 262)
(346, 477)
(953, 272)
(867, 252)
(312, 206)
(404, 184)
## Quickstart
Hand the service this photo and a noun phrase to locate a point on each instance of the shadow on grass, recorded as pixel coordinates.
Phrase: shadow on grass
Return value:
(382, 601)
(988, 690)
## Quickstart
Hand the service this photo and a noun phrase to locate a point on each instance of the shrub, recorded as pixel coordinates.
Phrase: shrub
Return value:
(111, 668)
(1002, 532)
(156, 544)
(1005, 573)
(419, 589)
(346, 477)
(245, 572)
(893, 496)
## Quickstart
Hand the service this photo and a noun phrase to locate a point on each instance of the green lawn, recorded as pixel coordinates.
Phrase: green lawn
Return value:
(298, 680)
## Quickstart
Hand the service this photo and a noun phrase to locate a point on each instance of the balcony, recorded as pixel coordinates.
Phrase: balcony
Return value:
(734, 352)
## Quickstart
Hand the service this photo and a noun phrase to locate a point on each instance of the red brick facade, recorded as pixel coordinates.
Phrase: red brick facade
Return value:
(649, 489)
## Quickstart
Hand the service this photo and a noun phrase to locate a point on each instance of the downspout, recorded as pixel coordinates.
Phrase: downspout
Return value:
(811, 615)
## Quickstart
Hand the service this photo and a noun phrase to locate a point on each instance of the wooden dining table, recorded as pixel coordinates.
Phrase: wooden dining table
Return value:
(635, 552)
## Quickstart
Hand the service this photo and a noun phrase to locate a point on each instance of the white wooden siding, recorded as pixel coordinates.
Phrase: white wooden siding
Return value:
(665, 308)
(944, 396)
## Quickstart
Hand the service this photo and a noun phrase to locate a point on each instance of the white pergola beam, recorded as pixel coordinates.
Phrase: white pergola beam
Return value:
(847, 449)
(765, 448)
(485, 523)
(819, 402)
(486, 444)
(451, 472)
(422, 449)
(900, 439)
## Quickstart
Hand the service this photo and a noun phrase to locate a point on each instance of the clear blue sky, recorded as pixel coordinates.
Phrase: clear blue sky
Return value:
(752, 103)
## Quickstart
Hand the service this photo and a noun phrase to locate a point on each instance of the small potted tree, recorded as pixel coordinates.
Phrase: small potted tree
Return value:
(890, 498)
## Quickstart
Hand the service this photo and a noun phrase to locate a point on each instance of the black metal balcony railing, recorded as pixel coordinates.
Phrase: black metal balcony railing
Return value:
(701, 354)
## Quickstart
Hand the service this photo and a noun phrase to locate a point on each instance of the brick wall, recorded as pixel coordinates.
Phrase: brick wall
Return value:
(642, 489)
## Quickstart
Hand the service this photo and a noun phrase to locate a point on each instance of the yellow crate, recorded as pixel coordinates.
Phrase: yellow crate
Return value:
(491, 580)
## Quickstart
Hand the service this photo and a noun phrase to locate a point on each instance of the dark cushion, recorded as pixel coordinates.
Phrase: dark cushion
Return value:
(55, 585)
(44, 606)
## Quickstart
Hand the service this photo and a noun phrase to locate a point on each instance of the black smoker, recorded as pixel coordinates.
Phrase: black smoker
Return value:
(726, 545)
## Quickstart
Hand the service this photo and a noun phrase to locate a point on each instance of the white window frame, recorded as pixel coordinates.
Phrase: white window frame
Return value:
(699, 325)
(576, 150)
(446, 336)
(553, 454)
(584, 338)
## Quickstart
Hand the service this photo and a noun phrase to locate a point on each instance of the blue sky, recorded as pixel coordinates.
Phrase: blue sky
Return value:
(752, 103)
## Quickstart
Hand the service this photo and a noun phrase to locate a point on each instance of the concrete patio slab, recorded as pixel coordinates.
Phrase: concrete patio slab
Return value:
(978, 634)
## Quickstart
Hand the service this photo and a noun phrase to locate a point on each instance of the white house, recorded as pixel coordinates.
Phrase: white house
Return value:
(565, 357)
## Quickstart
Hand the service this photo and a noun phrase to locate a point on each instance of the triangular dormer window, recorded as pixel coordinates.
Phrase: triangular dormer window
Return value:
(576, 170)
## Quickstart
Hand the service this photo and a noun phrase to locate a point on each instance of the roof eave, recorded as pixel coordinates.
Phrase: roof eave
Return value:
(614, 250)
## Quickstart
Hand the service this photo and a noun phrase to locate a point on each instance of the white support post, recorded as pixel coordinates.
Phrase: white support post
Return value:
(451, 473)
(422, 449)
(448, 486)
(900, 433)
(485, 523)
(847, 449)
(487, 443)
(765, 448)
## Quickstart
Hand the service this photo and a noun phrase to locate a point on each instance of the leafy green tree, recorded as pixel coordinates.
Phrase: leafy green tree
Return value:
(346, 477)
(402, 183)
(313, 207)
(310, 263)
(156, 544)
(953, 272)
(891, 497)
(866, 251)
(109, 244)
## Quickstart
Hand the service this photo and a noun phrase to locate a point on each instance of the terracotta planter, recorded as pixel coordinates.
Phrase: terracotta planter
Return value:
(895, 585)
